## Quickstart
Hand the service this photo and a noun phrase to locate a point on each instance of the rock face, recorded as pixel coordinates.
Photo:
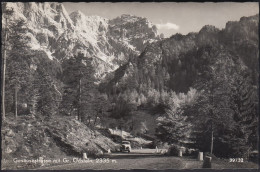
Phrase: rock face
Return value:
(52, 139)
(61, 35)
(133, 30)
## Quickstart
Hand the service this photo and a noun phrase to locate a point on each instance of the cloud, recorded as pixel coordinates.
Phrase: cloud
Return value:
(168, 26)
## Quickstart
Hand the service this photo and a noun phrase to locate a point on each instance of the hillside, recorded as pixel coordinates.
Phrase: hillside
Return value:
(182, 57)
(52, 138)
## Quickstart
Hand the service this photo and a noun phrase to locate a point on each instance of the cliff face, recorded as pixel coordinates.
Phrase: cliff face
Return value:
(243, 37)
(61, 35)
(135, 30)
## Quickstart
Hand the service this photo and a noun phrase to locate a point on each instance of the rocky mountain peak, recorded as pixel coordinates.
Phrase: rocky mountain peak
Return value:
(125, 18)
(244, 29)
(60, 35)
(209, 29)
(208, 35)
(76, 15)
(131, 20)
(137, 30)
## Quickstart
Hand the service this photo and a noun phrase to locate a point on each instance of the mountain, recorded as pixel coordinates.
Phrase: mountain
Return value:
(181, 58)
(60, 35)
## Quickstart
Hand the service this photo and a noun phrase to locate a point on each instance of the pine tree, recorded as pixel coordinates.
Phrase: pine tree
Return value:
(245, 115)
(79, 90)
(19, 55)
(47, 96)
(211, 111)
(173, 128)
(223, 115)
(6, 13)
(100, 106)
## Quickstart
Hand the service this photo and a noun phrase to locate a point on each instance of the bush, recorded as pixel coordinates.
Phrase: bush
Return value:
(174, 150)
(104, 132)
(116, 138)
(151, 145)
(191, 152)
(194, 153)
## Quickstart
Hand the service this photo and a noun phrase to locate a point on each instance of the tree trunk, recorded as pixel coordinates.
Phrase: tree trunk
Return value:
(3, 74)
(95, 120)
(132, 124)
(15, 102)
(212, 140)
(79, 103)
(212, 114)
(88, 120)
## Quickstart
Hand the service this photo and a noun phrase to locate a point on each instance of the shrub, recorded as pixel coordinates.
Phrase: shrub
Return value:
(195, 153)
(191, 152)
(174, 150)
(116, 138)
(151, 145)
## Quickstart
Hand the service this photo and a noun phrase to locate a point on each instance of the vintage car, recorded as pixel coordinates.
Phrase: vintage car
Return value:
(125, 146)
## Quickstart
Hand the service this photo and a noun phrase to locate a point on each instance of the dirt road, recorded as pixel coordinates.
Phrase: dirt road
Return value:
(137, 159)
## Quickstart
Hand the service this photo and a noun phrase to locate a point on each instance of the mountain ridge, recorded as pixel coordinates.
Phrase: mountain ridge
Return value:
(61, 35)
(169, 51)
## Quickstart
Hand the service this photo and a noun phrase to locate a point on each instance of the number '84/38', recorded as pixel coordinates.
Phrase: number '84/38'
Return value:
(236, 160)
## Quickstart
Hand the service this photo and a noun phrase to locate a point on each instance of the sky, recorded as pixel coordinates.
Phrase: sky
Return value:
(171, 17)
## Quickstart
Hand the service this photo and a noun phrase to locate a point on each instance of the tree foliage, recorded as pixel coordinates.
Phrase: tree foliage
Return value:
(47, 96)
(173, 128)
(18, 73)
(78, 79)
(81, 96)
(225, 107)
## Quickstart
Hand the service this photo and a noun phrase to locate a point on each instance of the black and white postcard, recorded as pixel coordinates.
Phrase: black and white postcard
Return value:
(129, 85)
